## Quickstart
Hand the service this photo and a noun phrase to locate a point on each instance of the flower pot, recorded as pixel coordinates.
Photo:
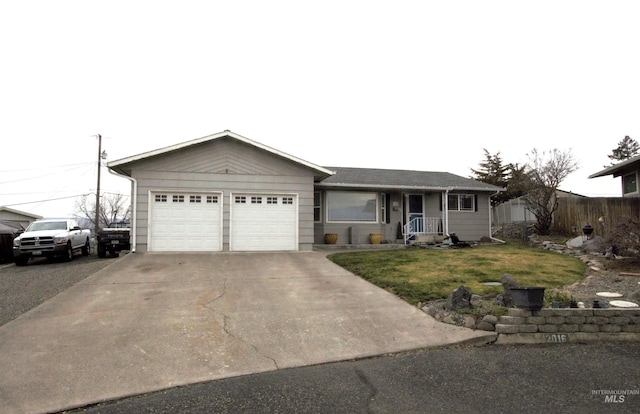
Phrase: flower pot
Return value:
(528, 298)
(375, 238)
(330, 238)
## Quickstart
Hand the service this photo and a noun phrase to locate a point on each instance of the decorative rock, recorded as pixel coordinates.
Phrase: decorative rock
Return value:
(492, 319)
(469, 322)
(486, 326)
(508, 282)
(460, 298)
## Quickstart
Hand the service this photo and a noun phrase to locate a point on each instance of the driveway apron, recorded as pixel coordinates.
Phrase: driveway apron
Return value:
(149, 322)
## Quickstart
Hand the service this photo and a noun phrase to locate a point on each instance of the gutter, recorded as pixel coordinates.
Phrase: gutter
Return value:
(134, 207)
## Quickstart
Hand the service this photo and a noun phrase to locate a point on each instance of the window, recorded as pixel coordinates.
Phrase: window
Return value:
(241, 200)
(629, 183)
(272, 200)
(287, 200)
(161, 198)
(461, 202)
(351, 206)
(317, 206)
(212, 199)
(178, 199)
(195, 199)
(256, 200)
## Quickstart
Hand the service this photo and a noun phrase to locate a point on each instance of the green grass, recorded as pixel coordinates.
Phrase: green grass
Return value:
(418, 275)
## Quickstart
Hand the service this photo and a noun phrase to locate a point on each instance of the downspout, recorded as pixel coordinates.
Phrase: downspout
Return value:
(134, 207)
(491, 219)
(445, 211)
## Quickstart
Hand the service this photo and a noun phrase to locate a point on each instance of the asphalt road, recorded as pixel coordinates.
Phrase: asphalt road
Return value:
(24, 287)
(567, 378)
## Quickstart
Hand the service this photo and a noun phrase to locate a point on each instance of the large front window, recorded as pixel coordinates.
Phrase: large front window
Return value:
(351, 206)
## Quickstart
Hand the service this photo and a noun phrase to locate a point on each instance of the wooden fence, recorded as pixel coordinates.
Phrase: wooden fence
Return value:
(574, 213)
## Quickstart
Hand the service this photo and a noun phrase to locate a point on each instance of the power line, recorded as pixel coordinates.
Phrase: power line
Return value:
(44, 201)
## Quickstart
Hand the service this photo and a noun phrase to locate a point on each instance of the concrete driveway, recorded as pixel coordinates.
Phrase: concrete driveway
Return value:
(153, 321)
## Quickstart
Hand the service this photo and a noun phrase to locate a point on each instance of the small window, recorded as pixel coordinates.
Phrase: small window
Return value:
(195, 199)
(241, 200)
(461, 202)
(629, 183)
(317, 206)
(287, 200)
(161, 198)
(383, 207)
(272, 200)
(256, 200)
(212, 199)
(178, 199)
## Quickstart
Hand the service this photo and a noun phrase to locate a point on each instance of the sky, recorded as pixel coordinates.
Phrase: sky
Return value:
(418, 85)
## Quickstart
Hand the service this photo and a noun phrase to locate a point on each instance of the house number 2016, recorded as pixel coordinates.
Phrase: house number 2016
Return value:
(557, 338)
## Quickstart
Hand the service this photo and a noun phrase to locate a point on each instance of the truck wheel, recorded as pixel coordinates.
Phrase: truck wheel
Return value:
(102, 251)
(68, 254)
(85, 248)
(21, 260)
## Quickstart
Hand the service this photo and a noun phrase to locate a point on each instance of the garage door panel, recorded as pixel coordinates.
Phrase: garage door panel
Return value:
(190, 225)
(264, 222)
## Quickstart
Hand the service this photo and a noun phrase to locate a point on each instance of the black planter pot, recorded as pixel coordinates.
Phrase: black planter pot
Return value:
(528, 298)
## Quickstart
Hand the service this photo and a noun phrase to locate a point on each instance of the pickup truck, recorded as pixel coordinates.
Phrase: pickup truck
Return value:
(51, 238)
(114, 239)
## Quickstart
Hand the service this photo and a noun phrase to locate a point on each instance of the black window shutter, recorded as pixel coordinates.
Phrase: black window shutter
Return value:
(475, 202)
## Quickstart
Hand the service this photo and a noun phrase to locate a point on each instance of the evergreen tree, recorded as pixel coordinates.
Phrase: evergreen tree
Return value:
(627, 148)
(492, 171)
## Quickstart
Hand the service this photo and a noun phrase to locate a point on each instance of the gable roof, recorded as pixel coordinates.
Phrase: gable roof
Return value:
(620, 168)
(118, 165)
(375, 178)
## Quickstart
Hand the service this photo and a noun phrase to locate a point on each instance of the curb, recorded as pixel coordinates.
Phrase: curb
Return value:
(565, 338)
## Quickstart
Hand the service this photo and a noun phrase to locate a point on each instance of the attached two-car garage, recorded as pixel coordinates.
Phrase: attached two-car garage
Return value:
(195, 221)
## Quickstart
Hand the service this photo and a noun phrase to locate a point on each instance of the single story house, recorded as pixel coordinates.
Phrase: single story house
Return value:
(628, 170)
(15, 216)
(225, 192)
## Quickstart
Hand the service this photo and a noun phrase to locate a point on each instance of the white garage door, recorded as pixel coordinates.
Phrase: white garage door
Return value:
(185, 222)
(264, 222)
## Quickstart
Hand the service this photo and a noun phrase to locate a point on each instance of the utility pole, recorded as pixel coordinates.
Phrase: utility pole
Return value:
(96, 225)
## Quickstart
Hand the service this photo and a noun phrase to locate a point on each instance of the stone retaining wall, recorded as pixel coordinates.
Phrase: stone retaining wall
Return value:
(569, 325)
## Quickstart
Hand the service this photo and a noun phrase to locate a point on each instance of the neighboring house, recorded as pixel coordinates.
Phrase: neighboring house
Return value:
(629, 171)
(225, 192)
(14, 216)
(516, 211)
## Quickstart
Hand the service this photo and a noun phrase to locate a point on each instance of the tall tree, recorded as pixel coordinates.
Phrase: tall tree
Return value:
(546, 171)
(627, 148)
(492, 171)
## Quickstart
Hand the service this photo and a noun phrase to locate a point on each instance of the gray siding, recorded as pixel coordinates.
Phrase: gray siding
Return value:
(472, 225)
(225, 166)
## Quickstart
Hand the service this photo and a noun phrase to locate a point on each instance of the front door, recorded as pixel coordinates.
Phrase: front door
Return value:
(415, 213)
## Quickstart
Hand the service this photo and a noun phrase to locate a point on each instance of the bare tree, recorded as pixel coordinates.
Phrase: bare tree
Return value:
(113, 207)
(546, 171)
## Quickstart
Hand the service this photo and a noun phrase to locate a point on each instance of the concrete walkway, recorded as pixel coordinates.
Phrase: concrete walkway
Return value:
(154, 321)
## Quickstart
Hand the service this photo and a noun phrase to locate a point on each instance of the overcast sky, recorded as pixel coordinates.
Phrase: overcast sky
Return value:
(422, 85)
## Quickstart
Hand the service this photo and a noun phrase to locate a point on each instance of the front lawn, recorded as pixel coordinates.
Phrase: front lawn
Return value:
(418, 275)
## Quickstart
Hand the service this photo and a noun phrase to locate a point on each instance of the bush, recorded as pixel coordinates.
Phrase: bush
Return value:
(625, 237)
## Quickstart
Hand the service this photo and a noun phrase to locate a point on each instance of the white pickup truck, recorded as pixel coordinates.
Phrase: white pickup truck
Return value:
(50, 238)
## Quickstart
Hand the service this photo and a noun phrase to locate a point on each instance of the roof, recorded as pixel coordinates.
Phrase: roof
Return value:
(118, 164)
(22, 213)
(619, 169)
(375, 178)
